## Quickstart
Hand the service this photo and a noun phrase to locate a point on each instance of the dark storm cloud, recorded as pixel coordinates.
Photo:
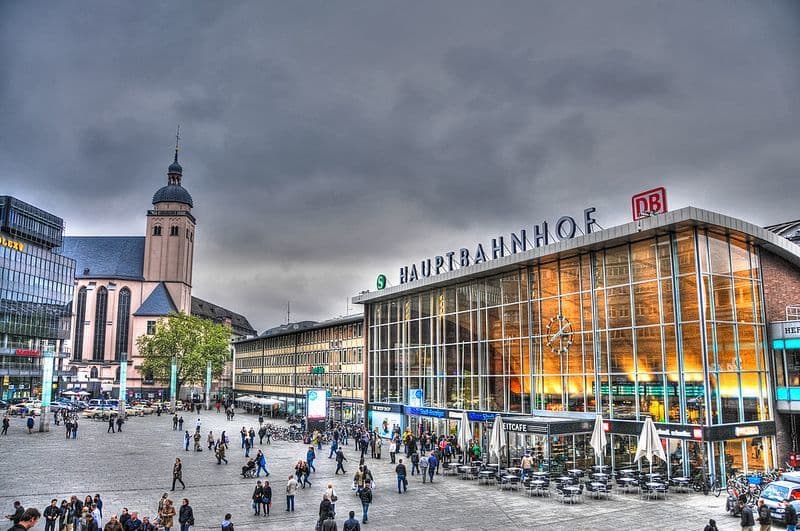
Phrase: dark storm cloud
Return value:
(325, 143)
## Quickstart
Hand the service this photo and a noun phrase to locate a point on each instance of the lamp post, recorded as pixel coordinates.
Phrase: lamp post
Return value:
(123, 382)
(47, 389)
(173, 383)
(208, 385)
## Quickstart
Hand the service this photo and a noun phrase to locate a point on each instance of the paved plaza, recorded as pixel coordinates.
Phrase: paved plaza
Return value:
(133, 468)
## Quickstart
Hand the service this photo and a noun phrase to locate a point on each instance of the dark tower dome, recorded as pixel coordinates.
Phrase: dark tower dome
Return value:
(173, 192)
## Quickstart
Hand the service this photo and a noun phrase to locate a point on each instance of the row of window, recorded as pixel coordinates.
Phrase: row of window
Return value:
(20, 221)
(174, 230)
(122, 343)
(308, 337)
(343, 381)
(350, 355)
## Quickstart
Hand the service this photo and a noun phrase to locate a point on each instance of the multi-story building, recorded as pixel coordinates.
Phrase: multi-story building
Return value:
(36, 287)
(664, 318)
(285, 362)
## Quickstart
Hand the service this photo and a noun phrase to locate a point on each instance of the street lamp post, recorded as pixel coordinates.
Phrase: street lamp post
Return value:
(47, 389)
(208, 385)
(123, 382)
(173, 383)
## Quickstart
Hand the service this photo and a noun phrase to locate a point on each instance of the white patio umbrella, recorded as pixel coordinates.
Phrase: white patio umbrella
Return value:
(649, 444)
(497, 442)
(464, 433)
(599, 441)
(68, 393)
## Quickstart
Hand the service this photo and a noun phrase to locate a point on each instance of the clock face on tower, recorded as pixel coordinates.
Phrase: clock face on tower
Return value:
(559, 334)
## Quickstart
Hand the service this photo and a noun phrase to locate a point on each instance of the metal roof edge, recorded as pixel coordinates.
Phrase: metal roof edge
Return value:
(634, 230)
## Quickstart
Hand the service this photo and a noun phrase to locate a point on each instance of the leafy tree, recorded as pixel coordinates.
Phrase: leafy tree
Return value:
(193, 341)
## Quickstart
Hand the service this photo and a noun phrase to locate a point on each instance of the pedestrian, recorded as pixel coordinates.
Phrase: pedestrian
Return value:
(146, 525)
(712, 525)
(124, 517)
(340, 459)
(351, 524)
(99, 502)
(7, 423)
(74, 428)
(291, 490)
(252, 435)
(167, 514)
(261, 461)
(790, 517)
(423, 467)
(392, 450)
(210, 440)
(186, 515)
(330, 495)
(329, 522)
(400, 470)
(221, 452)
(414, 462)
(262, 430)
(247, 446)
(310, 456)
(120, 421)
(51, 514)
(186, 439)
(378, 445)
(266, 499)
(177, 474)
(113, 524)
(764, 516)
(133, 523)
(175, 422)
(197, 438)
(306, 473)
(257, 496)
(97, 515)
(366, 499)
(63, 515)
(110, 425)
(227, 524)
(334, 446)
(28, 519)
(746, 520)
(30, 424)
(180, 423)
(433, 465)
(243, 434)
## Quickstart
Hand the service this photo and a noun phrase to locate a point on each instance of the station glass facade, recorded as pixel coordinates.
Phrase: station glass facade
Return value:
(671, 327)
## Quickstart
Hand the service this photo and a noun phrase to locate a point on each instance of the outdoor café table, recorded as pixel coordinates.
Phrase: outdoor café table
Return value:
(601, 468)
(485, 476)
(573, 491)
(564, 480)
(628, 483)
(540, 474)
(537, 486)
(599, 476)
(682, 483)
(599, 488)
(655, 488)
(509, 481)
(514, 470)
(463, 470)
(575, 472)
(493, 466)
(653, 476)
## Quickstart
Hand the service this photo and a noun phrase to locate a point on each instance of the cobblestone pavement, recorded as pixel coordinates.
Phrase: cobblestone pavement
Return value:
(133, 468)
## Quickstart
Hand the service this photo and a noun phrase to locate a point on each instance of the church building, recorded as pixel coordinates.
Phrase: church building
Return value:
(124, 285)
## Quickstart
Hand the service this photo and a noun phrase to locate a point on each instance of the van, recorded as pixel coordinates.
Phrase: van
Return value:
(779, 493)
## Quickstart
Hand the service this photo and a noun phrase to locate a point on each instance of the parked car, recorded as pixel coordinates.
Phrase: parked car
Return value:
(3, 404)
(777, 495)
(26, 408)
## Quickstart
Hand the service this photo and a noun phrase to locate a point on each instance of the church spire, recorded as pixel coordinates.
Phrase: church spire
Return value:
(175, 171)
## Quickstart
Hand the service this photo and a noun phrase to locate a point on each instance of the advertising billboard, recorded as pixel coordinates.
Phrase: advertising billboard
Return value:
(316, 404)
(386, 422)
(416, 397)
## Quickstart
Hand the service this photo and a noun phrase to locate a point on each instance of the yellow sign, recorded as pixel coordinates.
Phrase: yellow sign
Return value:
(11, 244)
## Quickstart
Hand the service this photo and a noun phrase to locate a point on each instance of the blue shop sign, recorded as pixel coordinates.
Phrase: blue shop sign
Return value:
(474, 416)
(426, 412)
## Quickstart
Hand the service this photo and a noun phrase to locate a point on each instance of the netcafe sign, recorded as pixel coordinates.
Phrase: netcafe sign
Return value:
(649, 203)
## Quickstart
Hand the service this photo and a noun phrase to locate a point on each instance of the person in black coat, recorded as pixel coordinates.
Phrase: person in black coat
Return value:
(258, 495)
(185, 515)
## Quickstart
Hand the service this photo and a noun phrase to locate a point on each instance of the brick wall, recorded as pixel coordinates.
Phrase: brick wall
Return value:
(781, 285)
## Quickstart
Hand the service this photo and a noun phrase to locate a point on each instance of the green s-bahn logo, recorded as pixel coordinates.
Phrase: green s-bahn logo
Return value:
(381, 282)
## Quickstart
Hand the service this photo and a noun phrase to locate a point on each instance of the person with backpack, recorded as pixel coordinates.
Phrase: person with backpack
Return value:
(790, 517)
(423, 467)
(227, 524)
(366, 498)
(414, 462)
(351, 524)
(764, 516)
(747, 521)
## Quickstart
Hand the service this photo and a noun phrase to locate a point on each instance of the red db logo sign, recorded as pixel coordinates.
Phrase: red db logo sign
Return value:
(648, 203)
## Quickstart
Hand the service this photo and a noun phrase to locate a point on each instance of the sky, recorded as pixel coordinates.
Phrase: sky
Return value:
(325, 143)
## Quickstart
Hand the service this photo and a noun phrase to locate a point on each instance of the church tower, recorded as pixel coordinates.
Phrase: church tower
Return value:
(169, 241)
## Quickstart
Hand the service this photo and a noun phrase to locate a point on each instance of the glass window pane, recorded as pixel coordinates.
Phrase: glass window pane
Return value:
(718, 254)
(621, 351)
(617, 266)
(740, 258)
(687, 291)
(748, 351)
(619, 307)
(743, 293)
(685, 252)
(725, 348)
(723, 303)
(646, 305)
(643, 260)
(692, 347)
(570, 270)
(648, 349)
(548, 279)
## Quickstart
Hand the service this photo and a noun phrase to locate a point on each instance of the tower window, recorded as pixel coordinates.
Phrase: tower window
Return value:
(173, 230)
(100, 324)
(157, 230)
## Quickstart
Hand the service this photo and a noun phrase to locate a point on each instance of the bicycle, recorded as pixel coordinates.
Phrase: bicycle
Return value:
(707, 484)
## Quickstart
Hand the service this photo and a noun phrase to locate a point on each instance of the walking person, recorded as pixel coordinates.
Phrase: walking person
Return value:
(177, 474)
(167, 514)
(221, 452)
(30, 424)
(400, 470)
(351, 524)
(258, 494)
(7, 423)
(790, 517)
(51, 514)
(175, 422)
(210, 440)
(330, 495)
(186, 439)
(423, 467)
(764, 516)
(310, 456)
(261, 461)
(186, 515)
(340, 459)
(433, 465)
(110, 425)
(120, 421)
(227, 524)
(366, 499)
(180, 423)
(266, 498)
(291, 490)
(746, 520)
